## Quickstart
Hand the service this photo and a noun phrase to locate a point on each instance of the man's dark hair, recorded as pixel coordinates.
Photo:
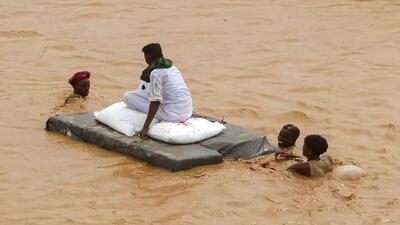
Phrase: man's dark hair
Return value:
(295, 131)
(316, 144)
(153, 49)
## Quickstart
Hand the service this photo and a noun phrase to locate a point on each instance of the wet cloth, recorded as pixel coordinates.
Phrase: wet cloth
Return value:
(168, 87)
(320, 167)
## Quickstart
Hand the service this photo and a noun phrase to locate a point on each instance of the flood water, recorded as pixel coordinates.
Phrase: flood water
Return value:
(330, 67)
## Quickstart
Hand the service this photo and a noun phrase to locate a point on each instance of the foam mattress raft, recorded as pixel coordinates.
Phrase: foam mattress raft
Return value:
(233, 142)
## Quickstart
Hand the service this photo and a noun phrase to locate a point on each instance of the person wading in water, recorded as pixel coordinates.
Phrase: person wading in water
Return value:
(81, 84)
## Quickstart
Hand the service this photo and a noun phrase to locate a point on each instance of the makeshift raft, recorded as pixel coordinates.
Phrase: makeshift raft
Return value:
(234, 142)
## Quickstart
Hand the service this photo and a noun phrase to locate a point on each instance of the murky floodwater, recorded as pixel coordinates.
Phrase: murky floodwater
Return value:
(330, 67)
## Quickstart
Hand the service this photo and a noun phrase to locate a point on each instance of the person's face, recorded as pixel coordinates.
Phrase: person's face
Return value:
(306, 151)
(82, 88)
(147, 58)
(285, 138)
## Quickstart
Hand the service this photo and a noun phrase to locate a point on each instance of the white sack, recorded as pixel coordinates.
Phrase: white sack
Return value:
(348, 172)
(128, 121)
(123, 119)
(191, 131)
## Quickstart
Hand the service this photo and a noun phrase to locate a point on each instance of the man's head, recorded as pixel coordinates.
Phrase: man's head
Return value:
(314, 146)
(288, 136)
(81, 83)
(152, 52)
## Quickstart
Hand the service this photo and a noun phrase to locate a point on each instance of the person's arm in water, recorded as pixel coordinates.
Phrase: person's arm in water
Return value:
(150, 116)
(301, 168)
(280, 155)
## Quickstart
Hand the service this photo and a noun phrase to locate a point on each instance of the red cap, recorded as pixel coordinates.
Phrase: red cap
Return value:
(78, 77)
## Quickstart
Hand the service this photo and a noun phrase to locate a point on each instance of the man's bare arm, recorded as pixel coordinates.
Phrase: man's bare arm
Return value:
(153, 108)
(301, 168)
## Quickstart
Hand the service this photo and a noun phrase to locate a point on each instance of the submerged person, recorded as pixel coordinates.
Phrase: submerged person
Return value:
(81, 84)
(287, 141)
(287, 136)
(162, 92)
(316, 165)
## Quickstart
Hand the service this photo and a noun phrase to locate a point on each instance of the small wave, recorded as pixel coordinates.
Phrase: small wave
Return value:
(19, 33)
(294, 116)
(240, 112)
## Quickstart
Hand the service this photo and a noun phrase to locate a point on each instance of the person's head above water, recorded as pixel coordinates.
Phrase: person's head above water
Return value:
(152, 52)
(288, 136)
(81, 83)
(314, 146)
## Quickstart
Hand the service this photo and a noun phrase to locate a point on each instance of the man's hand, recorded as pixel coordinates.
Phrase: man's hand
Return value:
(143, 133)
(152, 112)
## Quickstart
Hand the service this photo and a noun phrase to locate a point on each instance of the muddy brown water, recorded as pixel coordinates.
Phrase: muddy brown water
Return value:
(330, 67)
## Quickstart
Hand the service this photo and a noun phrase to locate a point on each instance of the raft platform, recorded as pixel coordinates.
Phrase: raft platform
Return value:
(234, 142)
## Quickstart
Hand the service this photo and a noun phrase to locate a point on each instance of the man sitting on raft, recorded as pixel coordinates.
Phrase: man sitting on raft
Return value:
(162, 91)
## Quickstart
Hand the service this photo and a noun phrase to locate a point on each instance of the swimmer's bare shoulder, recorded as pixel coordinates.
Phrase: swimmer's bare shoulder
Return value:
(301, 168)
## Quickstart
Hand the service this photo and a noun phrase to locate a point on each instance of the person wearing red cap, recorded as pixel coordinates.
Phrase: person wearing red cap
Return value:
(81, 84)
